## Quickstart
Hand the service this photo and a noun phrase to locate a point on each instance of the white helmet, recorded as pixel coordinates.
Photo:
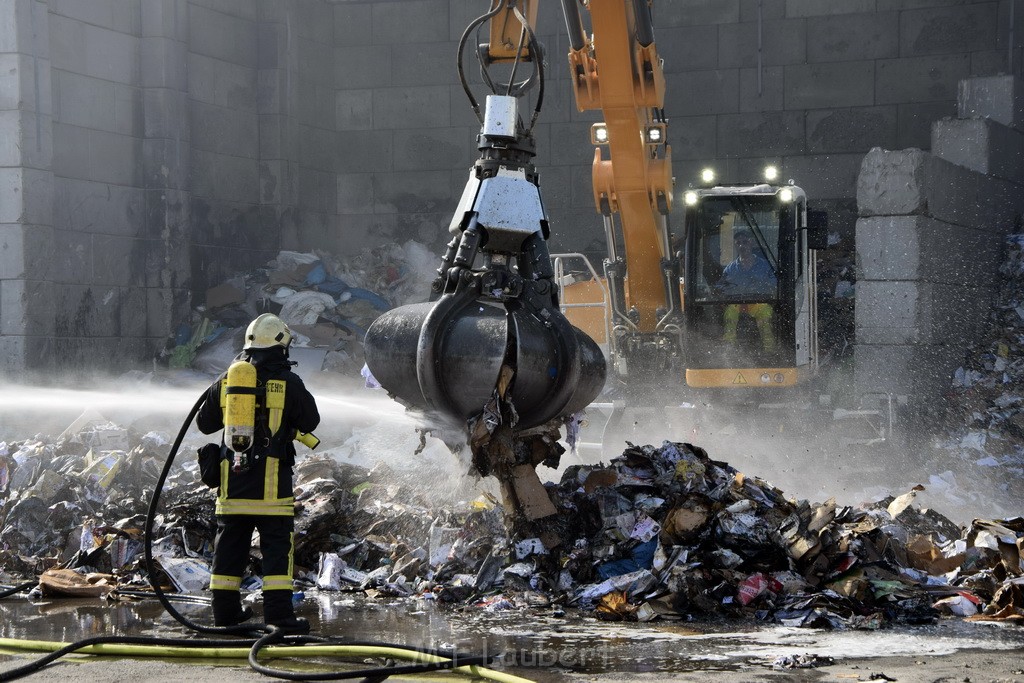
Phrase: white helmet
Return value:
(266, 332)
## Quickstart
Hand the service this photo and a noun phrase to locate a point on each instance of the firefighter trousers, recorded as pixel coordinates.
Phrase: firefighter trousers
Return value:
(231, 556)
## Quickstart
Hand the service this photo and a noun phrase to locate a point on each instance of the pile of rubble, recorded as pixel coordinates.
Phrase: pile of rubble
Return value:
(327, 301)
(660, 532)
(986, 414)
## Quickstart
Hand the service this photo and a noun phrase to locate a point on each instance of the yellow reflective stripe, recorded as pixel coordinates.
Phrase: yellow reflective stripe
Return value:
(252, 506)
(275, 403)
(222, 492)
(277, 582)
(222, 582)
(291, 554)
(270, 478)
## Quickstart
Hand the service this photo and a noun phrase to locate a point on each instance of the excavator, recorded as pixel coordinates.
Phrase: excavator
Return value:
(512, 344)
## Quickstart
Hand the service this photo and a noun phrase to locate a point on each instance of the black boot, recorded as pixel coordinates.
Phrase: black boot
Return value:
(228, 610)
(278, 611)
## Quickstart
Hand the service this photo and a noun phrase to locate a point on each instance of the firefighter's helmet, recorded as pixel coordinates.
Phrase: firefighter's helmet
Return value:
(266, 332)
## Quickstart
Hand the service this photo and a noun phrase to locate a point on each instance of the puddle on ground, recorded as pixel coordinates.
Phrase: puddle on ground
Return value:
(528, 643)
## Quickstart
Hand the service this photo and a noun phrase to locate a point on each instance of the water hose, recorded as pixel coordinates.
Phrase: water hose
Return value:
(261, 638)
(121, 646)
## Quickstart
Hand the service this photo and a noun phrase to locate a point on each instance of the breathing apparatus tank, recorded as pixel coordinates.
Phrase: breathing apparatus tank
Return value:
(238, 401)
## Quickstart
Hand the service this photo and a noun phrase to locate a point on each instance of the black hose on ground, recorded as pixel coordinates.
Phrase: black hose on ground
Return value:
(258, 636)
(7, 591)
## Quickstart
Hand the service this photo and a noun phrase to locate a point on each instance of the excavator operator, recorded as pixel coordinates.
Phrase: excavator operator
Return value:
(255, 487)
(748, 276)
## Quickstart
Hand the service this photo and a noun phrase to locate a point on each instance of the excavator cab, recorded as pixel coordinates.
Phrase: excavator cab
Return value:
(749, 286)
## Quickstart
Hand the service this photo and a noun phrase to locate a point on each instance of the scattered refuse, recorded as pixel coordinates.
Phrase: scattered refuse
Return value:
(327, 301)
(658, 533)
(986, 399)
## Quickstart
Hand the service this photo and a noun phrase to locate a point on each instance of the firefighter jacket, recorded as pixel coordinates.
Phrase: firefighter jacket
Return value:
(265, 486)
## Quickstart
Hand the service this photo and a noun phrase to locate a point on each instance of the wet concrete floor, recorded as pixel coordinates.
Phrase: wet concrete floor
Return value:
(541, 646)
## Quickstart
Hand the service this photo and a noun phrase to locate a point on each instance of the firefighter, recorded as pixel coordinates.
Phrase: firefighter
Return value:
(262, 406)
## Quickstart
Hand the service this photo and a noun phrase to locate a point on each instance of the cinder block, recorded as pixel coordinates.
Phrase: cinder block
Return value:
(946, 30)
(166, 63)
(433, 149)
(1000, 98)
(391, 21)
(164, 18)
(853, 37)
(691, 137)
(165, 163)
(225, 131)
(918, 370)
(982, 145)
(840, 84)
(132, 311)
(28, 307)
(365, 151)
(920, 79)
(216, 82)
(226, 178)
(314, 21)
(222, 36)
(767, 9)
(922, 248)
(118, 261)
(413, 192)
(165, 114)
(87, 206)
(697, 13)
(27, 251)
(761, 134)
(686, 48)
(315, 62)
(15, 26)
(890, 312)
(811, 8)
(354, 109)
(425, 64)
(364, 66)
(26, 139)
(271, 178)
(73, 261)
(93, 51)
(822, 176)
(353, 24)
(26, 196)
(313, 104)
(413, 107)
(784, 41)
(851, 130)
(555, 186)
(317, 189)
(915, 122)
(355, 193)
(21, 356)
(915, 182)
(718, 93)
(772, 94)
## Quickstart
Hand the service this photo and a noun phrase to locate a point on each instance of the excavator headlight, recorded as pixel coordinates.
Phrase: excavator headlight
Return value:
(786, 195)
(771, 173)
(779, 378)
(707, 176)
(655, 134)
(690, 197)
(765, 378)
(599, 134)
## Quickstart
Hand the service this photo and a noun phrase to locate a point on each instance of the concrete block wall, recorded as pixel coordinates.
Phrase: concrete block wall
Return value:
(166, 145)
(930, 238)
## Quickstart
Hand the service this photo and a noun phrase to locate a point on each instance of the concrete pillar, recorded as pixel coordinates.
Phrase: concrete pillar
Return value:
(166, 162)
(27, 318)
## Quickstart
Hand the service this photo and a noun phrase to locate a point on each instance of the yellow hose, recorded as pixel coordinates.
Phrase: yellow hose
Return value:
(269, 651)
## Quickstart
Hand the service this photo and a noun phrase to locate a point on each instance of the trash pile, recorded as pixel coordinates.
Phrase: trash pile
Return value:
(986, 413)
(327, 301)
(658, 533)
